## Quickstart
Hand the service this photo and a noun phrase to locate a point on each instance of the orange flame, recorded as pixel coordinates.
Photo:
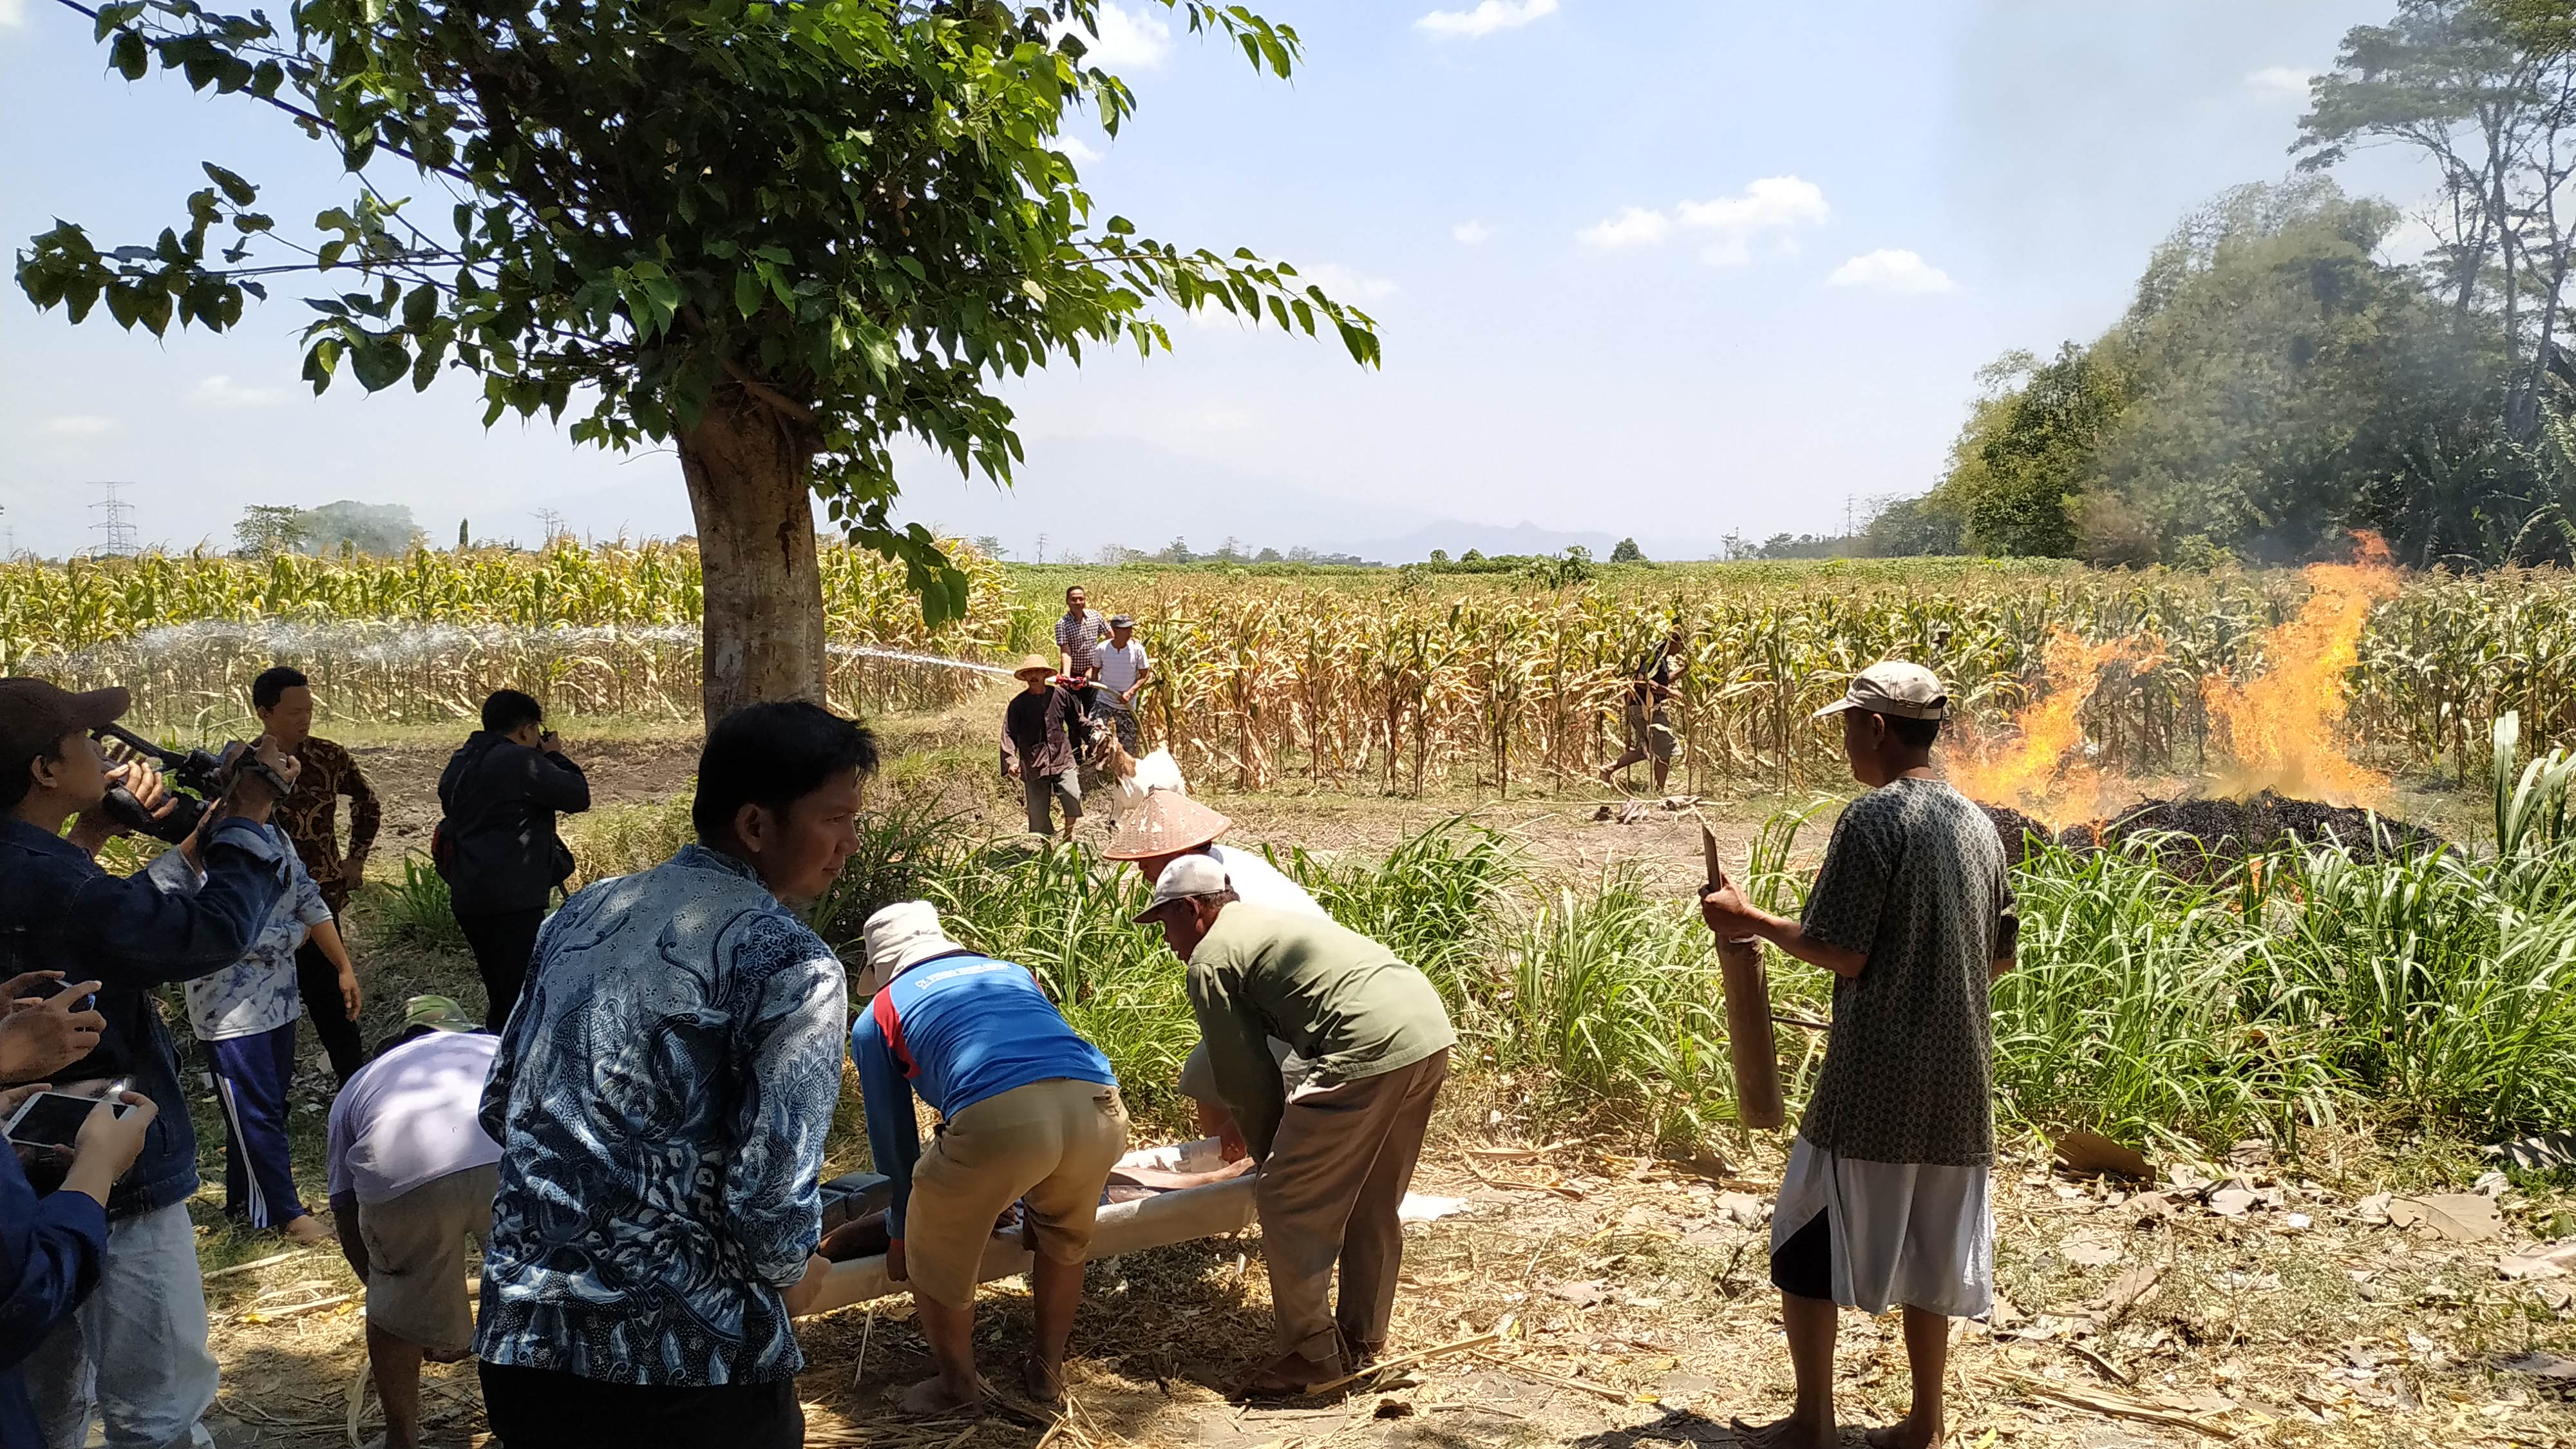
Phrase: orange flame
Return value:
(2282, 725)
(2031, 771)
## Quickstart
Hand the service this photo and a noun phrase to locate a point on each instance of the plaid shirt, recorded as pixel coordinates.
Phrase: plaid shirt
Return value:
(311, 816)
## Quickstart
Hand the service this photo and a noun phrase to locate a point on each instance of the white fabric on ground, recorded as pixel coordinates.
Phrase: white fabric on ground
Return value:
(1902, 1232)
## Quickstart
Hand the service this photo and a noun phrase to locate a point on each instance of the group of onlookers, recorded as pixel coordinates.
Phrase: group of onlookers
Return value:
(640, 1149)
(1077, 711)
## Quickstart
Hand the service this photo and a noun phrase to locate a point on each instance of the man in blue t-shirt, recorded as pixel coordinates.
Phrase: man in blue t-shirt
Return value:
(1028, 1109)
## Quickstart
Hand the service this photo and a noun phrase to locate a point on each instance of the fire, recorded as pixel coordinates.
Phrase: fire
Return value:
(2281, 725)
(2031, 772)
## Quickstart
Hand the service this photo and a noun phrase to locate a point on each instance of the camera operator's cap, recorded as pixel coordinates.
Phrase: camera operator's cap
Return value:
(35, 714)
(1033, 664)
(1121, 621)
(1187, 878)
(442, 1013)
(1894, 687)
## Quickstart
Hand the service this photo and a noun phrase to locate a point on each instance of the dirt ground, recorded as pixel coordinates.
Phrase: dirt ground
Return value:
(1592, 1300)
(1598, 1301)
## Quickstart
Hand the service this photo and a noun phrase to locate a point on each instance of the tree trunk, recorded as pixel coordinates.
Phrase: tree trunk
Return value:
(764, 586)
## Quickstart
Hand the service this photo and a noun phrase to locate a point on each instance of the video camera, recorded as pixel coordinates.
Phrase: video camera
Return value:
(197, 777)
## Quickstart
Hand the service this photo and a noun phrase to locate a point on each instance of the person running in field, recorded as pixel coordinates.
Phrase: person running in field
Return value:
(1038, 748)
(1886, 1196)
(283, 700)
(1028, 1112)
(1077, 635)
(1125, 669)
(1647, 709)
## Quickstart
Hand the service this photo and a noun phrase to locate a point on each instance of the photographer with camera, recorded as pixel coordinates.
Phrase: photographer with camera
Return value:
(496, 843)
(138, 1347)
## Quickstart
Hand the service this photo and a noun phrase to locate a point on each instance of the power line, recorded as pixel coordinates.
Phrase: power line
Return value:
(115, 527)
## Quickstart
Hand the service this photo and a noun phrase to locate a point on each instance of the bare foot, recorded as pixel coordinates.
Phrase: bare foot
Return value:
(1042, 1383)
(306, 1230)
(1905, 1434)
(1790, 1433)
(932, 1397)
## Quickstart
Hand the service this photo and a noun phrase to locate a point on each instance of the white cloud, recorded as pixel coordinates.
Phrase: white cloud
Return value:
(220, 393)
(1485, 19)
(13, 13)
(1138, 40)
(1775, 206)
(1472, 233)
(1344, 285)
(79, 425)
(1220, 419)
(2279, 83)
(1634, 227)
(1076, 149)
(1890, 270)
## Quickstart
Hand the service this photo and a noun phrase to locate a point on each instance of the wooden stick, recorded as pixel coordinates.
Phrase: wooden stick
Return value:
(1403, 1360)
(1616, 1396)
(271, 1259)
(1750, 1044)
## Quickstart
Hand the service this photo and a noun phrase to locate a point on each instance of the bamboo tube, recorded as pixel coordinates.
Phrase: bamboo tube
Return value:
(1749, 1040)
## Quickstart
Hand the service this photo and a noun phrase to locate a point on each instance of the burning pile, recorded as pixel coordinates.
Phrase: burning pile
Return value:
(2279, 729)
(2208, 828)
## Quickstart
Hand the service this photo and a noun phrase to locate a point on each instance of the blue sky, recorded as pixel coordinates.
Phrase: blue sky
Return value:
(1669, 268)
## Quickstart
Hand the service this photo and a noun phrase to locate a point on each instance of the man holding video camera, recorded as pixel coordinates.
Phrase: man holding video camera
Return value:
(137, 1348)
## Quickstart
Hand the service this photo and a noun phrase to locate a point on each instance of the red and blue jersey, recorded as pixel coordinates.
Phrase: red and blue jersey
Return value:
(956, 1030)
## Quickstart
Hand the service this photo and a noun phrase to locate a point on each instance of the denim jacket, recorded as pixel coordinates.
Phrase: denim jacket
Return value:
(60, 912)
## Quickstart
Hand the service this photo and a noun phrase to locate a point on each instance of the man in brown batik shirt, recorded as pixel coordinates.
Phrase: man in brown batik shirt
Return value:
(283, 699)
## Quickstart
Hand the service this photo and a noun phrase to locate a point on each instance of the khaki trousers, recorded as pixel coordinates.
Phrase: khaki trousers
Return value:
(1337, 1171)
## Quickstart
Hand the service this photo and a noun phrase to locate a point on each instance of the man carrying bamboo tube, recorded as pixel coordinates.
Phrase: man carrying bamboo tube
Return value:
(1336, 1156)
(1885, 1199)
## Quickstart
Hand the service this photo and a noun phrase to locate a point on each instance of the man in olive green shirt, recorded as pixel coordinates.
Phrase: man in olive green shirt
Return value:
(1337, 1157)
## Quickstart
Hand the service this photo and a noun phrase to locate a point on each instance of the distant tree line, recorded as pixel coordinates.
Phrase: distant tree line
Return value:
(2284, 376)
(383, 530)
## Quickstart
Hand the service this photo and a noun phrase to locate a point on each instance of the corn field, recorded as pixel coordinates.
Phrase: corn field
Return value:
(1395, 680)
(591, 631)
(1399, 686)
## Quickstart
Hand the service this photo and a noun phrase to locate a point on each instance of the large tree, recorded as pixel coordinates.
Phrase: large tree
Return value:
(778, 236)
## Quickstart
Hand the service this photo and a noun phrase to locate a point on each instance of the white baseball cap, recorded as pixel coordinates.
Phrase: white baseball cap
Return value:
(1894, 687)
(1189, 877)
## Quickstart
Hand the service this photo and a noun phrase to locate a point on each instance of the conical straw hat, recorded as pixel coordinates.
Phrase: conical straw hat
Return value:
(1166, 824)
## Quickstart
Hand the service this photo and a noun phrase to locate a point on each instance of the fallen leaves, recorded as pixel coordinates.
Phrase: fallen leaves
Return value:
(2090, 1154)
(2459, 1217)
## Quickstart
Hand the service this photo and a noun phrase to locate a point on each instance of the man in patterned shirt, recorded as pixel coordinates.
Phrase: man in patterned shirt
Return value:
(661, 1097)
(1077, 635)
(283, 699)
(244, 1015)
(1885, 1197)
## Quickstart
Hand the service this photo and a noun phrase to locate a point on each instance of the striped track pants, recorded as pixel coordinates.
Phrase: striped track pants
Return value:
(252, 1074)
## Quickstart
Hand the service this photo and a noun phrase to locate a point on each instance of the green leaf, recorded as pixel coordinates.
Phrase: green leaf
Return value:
(129, 57)
(236, 190)
(747, 291)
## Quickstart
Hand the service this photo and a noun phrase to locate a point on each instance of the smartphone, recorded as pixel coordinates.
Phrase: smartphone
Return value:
(53, 1119)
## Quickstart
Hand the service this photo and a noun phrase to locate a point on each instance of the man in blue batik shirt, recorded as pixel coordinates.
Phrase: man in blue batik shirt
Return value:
(661, 1098)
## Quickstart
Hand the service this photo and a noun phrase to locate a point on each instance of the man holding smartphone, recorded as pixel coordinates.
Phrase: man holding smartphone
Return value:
(52, 1247)
(138, 1347)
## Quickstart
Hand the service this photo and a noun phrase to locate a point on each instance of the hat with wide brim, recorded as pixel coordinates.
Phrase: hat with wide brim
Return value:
(1168, 823)
(901, 936)
(1033, 664)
